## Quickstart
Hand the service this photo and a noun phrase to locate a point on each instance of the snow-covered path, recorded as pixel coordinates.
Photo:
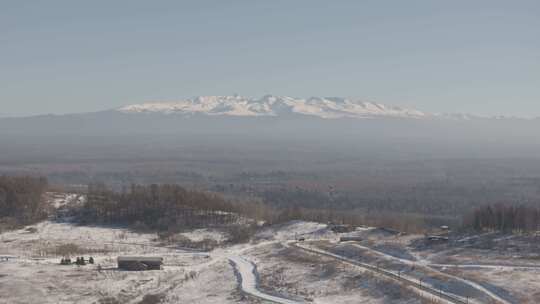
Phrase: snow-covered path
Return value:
(246, 270)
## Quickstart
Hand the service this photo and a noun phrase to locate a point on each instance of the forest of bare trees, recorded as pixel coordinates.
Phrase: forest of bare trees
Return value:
(21, 200)
(172, 207)
(505, 218)
(161, 207)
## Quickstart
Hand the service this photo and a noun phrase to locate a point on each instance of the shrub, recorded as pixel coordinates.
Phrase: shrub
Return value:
(152, 299)
(240, 233)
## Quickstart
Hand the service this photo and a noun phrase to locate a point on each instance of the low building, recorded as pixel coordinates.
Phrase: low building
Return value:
(6, 257)
(135, 263)
(437, 238)
(350, 239)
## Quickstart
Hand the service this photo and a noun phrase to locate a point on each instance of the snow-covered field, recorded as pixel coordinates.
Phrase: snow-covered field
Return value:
(310, 278)
(35, 275)
(268, 269)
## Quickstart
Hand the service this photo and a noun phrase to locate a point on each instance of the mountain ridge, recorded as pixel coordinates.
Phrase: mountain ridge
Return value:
(270, 105)
(275, 106)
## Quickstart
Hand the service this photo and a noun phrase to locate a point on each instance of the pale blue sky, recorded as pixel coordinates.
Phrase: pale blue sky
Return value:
(480, 57)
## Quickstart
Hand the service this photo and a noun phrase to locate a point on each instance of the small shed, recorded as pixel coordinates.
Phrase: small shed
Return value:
(135, 263)
(389, 230)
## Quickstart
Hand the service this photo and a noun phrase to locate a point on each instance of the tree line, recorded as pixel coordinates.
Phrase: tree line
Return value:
(172, 207)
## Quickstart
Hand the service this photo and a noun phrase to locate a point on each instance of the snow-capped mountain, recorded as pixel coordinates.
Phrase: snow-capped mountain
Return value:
(225, 123)
(323, 107)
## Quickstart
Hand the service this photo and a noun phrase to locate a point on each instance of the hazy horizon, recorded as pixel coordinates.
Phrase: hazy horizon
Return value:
(171, 100)
(459, 57)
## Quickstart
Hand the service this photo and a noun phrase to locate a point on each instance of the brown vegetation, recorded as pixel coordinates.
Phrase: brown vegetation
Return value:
(185, 242)
(161, 207)
(153, 299)
(71, 249)
(173, 208)
(21, 200)
(505, 218)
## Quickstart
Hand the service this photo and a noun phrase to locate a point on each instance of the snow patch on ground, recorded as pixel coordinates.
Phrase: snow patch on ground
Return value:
(205, 234)
(296, 229)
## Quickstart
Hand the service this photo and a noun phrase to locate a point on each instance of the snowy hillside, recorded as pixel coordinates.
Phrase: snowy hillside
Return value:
(327, 107)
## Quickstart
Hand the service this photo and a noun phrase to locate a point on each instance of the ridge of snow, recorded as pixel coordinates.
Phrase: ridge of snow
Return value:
(269, 105)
